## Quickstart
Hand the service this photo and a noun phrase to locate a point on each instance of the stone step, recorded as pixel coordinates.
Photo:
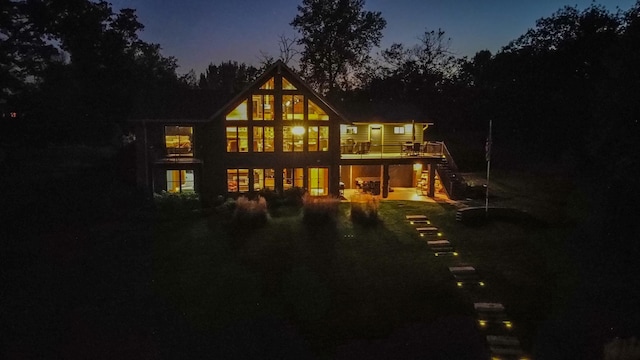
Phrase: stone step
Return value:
(416, 217)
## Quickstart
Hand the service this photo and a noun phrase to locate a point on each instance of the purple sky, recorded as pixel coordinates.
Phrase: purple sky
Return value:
(198, 32)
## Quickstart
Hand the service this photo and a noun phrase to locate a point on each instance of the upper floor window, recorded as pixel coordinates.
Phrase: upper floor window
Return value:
(293, 107)
(237, 139)
(286, 85)
(316, 112)
(263, 106)
(292, 138)
(318, 138)
(239, 113)
(263, 139)
(178, 140)
(269, 85)
(398, 129)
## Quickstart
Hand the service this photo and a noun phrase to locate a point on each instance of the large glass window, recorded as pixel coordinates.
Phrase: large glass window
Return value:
(292, 177)
(237, 139)
(238, 180)
(264, 179)
(263, 139)
(286, 85)
(239, 113)
(269, 85)
(316, 112)
(180, 181)
(178, 140)
(263, 106)
(318, 138)
(318, 181)
(292, 107)
(292, 138)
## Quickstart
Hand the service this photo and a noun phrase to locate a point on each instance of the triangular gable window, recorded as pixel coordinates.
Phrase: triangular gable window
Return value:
(286, 85)
(316, 112)
(239, 113)
(269, 85)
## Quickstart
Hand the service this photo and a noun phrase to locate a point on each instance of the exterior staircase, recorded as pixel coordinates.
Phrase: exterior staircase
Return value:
(449, 175)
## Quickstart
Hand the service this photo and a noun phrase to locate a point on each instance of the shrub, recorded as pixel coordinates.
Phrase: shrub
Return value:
(176, 204)
(250, 214)
(319, 210)
(364, 209)
(294, 196)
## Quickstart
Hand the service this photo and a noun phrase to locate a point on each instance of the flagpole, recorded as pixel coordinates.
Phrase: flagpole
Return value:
(488, 157)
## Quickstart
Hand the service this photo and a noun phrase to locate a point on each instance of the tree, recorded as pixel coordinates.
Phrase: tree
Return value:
(229, 77)
(337, 37)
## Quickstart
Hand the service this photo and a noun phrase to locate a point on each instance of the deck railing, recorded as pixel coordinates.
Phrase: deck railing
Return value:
(399, 150)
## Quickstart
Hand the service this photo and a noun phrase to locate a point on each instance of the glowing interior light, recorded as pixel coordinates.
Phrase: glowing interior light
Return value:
(297, 130)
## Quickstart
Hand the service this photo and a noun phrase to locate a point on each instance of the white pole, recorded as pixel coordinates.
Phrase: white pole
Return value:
(488, 157)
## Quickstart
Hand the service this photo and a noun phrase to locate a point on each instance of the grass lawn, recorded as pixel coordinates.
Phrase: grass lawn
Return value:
(88, 273)
(341, 290)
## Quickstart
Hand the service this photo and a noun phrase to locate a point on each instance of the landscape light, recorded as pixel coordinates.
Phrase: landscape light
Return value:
(482, 323)
(459, 283)
(507, 324)
(411, 222)
(481, 283)
(439, 234)
(455, 253)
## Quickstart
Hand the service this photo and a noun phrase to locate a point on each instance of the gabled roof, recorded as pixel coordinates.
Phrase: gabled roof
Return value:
(280, 68)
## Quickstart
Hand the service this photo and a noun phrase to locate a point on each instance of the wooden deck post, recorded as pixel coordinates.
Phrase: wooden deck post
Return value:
(432, 180)
(385, 181)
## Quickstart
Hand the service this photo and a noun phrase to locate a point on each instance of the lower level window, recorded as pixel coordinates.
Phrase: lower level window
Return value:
(318, 181)
(237, 180)
(293, 177)
(264, 179)
(180, 181)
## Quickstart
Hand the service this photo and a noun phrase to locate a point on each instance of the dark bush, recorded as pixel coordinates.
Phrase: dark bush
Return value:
(364, 209)
(319, 210)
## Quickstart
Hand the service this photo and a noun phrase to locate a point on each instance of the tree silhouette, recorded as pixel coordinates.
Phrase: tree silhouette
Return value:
(337, 36)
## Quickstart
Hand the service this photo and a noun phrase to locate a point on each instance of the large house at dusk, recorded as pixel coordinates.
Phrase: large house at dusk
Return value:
(277, 134)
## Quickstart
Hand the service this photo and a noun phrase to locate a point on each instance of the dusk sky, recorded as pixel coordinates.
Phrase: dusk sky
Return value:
(199, 32)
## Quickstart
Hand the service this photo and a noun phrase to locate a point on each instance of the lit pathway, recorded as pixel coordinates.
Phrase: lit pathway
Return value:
(492, 319)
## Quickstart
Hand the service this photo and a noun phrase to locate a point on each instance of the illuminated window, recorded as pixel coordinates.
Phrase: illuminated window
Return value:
(263, 140)
(237, 139)
(269, 85)
(351, 130)
(264, 179)
(398, 129)
(239, 113)
(238, 180)
(293, 107)
(293, 177)
(263, 106)
(286, 85)
(178, 140)
(319, 181)
(316, 112)
(292, 140)
(318, 138)
(180, 181)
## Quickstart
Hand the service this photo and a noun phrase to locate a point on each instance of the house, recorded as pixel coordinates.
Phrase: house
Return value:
(278, 134)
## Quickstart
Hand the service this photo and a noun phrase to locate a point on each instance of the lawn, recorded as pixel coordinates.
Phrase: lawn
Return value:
(90, 273)
(343, 290)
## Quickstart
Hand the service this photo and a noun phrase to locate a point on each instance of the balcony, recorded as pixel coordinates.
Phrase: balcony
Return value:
(366, 150)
